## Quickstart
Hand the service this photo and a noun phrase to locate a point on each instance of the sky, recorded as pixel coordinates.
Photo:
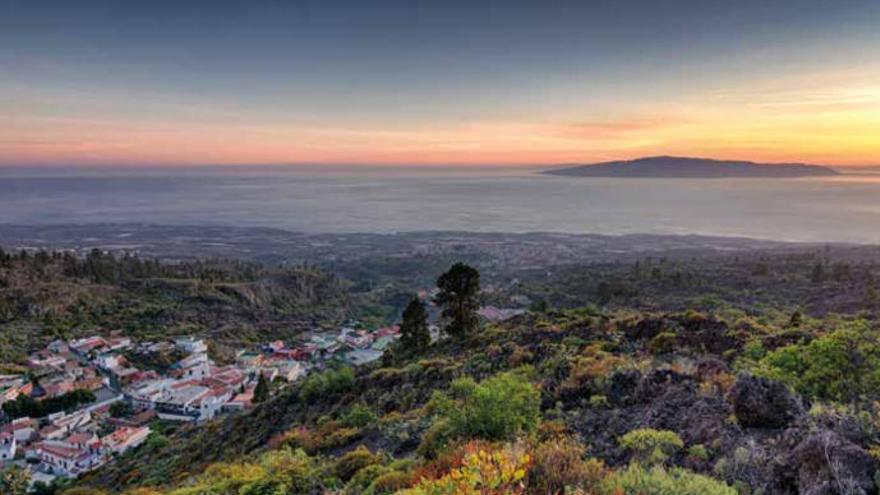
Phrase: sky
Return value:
(437, 83)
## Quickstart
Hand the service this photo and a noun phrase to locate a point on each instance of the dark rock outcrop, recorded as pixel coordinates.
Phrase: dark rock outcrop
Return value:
(762, 403)
(825, 463)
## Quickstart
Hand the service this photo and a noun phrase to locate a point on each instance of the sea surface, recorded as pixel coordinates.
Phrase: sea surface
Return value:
(314, 199)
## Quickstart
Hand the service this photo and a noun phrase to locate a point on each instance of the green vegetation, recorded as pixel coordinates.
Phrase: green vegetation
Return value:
(358, 416)
(459, 288)
(843, 365)
(328, 383)
(45, 296)
(638, 480)
(14, 481)
(649, 446)
(261, 391)
(27, 406)
(498, 408)
(601, 399)
(414, 335)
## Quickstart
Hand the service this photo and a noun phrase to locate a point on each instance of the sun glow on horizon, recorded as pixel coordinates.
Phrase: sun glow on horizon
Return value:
(777, 84)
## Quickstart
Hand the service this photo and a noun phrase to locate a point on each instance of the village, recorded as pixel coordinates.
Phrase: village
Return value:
(83, 402)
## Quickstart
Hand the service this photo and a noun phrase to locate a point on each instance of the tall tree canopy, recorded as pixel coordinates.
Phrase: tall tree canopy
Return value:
(414, 334)
(459, 288)
(261, 391)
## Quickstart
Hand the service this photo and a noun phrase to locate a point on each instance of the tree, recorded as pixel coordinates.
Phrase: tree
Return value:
(261, 391)
(121, 409)
(414, 334)
(459, 288)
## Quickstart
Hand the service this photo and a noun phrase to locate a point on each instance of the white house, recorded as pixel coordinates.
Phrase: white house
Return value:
(191, 345)
(8, 445)
(125, 438)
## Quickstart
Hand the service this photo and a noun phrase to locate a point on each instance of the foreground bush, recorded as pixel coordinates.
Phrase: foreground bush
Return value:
(843, 365)
(651, 446)
(497, 409)
(558, 465)
(638, 480)
(498, 472)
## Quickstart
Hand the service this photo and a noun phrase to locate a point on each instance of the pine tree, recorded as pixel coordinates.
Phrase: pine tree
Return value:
(459, 288)
(414, 334)
(261, 391)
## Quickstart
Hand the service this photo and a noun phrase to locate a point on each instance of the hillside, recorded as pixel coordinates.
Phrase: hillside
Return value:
(44, 296)
(714, 404)
(683, 167)
(748, 372)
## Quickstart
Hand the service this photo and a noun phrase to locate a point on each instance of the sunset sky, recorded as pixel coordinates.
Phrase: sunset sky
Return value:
(449, 82)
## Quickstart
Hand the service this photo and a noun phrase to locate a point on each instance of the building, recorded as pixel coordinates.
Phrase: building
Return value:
(125, 438)
(8, 446)
(181, 400)
(88, 345)
(240, 402)
(191, 345)
(274, 346)
(491, 313)
(119, 343)
(62, 458)
(23, 429)
(359, 357)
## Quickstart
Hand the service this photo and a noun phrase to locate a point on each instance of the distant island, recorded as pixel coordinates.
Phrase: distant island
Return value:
(683, 167)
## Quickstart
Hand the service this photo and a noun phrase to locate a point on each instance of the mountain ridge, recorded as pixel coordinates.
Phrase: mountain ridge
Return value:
(665, 166)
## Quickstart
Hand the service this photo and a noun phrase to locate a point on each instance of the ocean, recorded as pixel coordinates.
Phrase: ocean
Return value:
(313, 199)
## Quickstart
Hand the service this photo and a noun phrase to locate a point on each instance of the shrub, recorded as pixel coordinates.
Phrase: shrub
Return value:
(436, 439)
(598, 401)
(352, 462)
(638, 480)
(520, 356)
(487, 472)
(499, 408)
(843, 365)
(559, 464)
(359, 416)
(651, 446)
(662, 343)
(389, 482)
(362, 480)
(14, 481)
(330, 382)
(225, 478)
(698, 451)
(590, 369)
(326, 436)
(293, 469)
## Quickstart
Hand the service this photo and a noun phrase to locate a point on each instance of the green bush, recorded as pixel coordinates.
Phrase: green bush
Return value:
(24, 405)
(698, 451)
(361, 481)
(662, 343)
(358, 416)
(330, 382)
(651, 446)
(843, 365)
(352, 462)
(389, 482)
(558, 464)
(638, 480)
(496, 409)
